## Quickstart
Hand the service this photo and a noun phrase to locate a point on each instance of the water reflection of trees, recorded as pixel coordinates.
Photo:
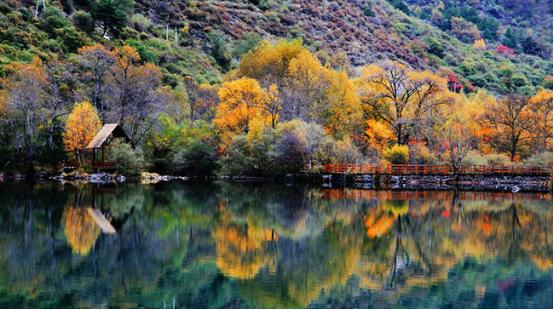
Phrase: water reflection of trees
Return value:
(266, 246)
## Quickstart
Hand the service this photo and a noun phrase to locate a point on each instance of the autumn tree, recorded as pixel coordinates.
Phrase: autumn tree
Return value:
(95, 62)
(378, 135)
(459, 132)
(269, 63)
(177, 104)
(240, 102)
(402, 98)
(60, 99)
(82, 125)
(344, 113)
(541, 107)
(306, 88)
(273, 104)
(25, 94)
(133, 93)
(202, 99)
(511, 118)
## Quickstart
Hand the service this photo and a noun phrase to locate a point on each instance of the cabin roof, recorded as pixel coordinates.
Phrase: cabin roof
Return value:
(107, 131)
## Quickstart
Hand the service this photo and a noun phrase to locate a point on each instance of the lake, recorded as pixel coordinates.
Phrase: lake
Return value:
(224, 245)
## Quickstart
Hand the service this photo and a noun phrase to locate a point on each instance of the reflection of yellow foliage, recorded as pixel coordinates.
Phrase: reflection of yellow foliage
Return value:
(378, 224)
(240, 252)
(80, 230)
(397, 207)
(543, 263)
(336, 267)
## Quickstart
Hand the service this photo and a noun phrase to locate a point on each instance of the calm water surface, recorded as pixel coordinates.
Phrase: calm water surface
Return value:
(243, 245)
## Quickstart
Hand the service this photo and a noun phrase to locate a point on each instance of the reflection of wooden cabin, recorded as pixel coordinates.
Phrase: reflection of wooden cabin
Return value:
(96, 149)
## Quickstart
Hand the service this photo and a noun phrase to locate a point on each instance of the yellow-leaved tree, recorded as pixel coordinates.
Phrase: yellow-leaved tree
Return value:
(541, 105)
(460, 132)
(240, 102)
(378, 135)
(403, 98)
(82, 125)
(306, 85)
(344, 114)
(269, 63)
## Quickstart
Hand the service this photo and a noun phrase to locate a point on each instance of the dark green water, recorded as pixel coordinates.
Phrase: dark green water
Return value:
(243, 245)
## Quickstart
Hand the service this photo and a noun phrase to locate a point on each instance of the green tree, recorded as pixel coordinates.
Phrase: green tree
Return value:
(220, 50)
(111, 14)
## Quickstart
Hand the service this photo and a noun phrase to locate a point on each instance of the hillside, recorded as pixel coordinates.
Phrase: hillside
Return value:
(366, 31)
(268, 88)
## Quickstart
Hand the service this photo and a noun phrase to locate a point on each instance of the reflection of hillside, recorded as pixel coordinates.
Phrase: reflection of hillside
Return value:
(268, 246)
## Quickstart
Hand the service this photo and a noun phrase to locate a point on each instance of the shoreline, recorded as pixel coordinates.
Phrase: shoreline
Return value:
(393, 182)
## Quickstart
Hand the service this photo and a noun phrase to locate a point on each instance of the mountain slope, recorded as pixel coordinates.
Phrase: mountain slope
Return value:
(185, 37)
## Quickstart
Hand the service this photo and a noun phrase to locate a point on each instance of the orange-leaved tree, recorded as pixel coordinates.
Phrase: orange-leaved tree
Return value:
(81, 126)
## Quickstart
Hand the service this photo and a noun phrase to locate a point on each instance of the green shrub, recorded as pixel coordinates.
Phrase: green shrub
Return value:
(140, 22)
(540, 159)
(397, 154)
(368, 11)
(498, 159)
(220, 50)
(435, 47)
(195, 151)
(399, 4)
(70, 38)
(237, 161)
(52, 18)
(146, 53)
(83, 21)
(474, 158)
(129, 161)
(247, 43)
(347, 152)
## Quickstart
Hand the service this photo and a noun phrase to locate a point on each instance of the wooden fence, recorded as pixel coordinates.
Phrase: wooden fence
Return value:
(434, 169)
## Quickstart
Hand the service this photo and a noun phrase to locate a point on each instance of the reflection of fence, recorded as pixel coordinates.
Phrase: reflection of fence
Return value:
(361, 194)
(433, 169)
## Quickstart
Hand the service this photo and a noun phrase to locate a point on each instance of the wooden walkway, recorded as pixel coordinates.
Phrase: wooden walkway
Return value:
(435, 169)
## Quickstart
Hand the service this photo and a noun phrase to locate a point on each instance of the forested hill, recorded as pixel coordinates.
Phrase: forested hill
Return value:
(211, 36)
(268, 87)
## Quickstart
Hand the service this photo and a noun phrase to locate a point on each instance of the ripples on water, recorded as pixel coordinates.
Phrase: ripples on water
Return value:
(243, 245)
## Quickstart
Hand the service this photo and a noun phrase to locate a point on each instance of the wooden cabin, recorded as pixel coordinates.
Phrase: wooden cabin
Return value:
(96, 149)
